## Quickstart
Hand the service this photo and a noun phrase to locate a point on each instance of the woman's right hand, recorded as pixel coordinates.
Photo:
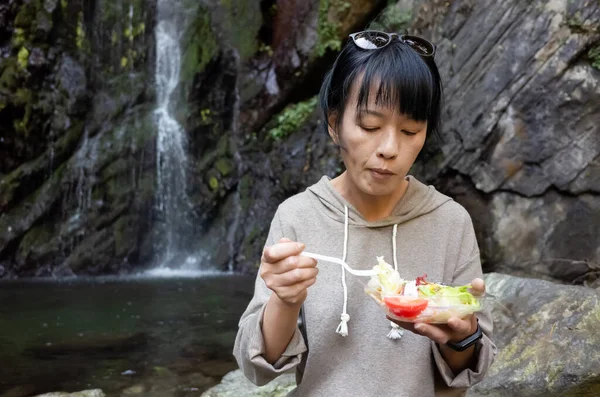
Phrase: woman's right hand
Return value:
(287, 273)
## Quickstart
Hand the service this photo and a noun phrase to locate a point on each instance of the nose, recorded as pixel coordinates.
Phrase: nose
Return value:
(388, 145)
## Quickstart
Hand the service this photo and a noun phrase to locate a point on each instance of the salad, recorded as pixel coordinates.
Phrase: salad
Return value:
(419, 299)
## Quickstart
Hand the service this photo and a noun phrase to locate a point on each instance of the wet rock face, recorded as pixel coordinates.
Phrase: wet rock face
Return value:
(79, 175)
(521, 144)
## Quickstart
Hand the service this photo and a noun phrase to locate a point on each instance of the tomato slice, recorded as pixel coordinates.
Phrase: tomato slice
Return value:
(406, 306)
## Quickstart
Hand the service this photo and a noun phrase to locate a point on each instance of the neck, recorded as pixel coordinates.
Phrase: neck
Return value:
(372, 208)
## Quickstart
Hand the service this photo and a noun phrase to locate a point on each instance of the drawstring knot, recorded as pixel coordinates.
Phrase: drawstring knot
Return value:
(342, 329)
(396, 332)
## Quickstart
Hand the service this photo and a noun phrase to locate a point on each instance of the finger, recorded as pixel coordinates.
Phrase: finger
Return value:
(478, 286)
(285, 240)
(460, 326)
(290, 263)
(295, 276)
(296, 290)
(280, 251)
(432, 332)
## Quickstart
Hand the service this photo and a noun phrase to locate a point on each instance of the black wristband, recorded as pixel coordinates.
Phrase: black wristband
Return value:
(467, 342)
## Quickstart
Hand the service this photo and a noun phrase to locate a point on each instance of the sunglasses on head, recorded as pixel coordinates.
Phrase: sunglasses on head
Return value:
(374, 40)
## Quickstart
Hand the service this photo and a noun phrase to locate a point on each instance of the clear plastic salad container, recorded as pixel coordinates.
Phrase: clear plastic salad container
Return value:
(420, 300)
(434, 309)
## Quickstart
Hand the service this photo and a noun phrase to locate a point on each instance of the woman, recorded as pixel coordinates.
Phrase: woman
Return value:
(381, 100)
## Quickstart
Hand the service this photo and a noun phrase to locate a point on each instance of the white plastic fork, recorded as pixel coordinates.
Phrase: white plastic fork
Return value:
(363, 273)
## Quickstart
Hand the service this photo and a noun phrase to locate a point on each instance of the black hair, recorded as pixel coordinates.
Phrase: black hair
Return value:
(408, 83)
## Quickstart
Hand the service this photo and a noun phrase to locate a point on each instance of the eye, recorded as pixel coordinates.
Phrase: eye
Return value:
(409, 133)
(370, 129)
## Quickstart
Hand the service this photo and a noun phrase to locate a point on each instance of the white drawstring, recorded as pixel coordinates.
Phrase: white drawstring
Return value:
(342, 329)
(396, 332)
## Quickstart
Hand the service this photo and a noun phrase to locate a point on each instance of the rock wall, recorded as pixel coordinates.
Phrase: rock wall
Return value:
(521, 140)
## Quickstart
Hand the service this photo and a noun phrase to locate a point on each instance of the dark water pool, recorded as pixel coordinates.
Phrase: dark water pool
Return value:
(145, 336)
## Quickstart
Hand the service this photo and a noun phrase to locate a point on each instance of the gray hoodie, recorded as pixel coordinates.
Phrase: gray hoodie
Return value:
(434, 235)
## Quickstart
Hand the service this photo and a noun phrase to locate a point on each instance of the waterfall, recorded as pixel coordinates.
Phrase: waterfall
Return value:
(173, 205)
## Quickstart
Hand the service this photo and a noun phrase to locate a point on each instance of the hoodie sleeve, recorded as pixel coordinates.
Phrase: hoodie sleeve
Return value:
(249, 345)
(485, 350)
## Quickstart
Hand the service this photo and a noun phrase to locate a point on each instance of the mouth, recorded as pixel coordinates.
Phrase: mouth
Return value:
(382, 171)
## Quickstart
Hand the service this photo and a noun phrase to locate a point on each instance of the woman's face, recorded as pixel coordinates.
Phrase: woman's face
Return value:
(379, 146)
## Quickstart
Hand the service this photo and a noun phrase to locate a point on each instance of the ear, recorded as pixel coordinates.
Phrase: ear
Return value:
(332, 127)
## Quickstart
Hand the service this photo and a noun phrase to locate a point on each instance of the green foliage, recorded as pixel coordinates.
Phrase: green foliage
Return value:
(205, 115)
(327, 31)
(393, 19)
(19, 37)
(594, 55)
(292, 118)
(23, 58)
(213, 182)
(223, 165)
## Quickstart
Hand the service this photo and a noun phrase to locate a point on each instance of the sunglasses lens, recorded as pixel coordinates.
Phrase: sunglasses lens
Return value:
(371, 40)
(420, 45)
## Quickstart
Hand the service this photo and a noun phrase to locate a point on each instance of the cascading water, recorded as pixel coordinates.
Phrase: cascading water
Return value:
(173, 204)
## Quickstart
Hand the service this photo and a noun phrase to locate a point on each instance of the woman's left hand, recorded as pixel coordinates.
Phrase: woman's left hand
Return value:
(457, 328)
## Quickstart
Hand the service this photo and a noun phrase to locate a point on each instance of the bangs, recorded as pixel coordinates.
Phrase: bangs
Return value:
(400, 82)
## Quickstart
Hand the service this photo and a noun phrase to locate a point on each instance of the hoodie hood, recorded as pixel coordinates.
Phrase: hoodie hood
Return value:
(419, 199)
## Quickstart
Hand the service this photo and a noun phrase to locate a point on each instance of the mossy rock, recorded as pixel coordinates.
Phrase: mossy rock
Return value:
(34, 244)
(234, 384)
(199, 46)
(124, 231)
(10, 74)
(547, 335)
(224, 166)
(291, 119)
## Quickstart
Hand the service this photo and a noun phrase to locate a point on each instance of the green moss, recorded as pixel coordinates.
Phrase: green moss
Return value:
(594, 55)
(224, 166)
(35, 237)
(292, 118)
(64, 4)
(9, 76)
(249, 240)
(327, 31)
(393, 19)
(245, 192)
(199, 48)
(213, 182)
(22, 97)
(26, 15)
(18, 37)
(121, 232)
(80, 34)
(223, 145)
(205, 115)
(23, 58)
